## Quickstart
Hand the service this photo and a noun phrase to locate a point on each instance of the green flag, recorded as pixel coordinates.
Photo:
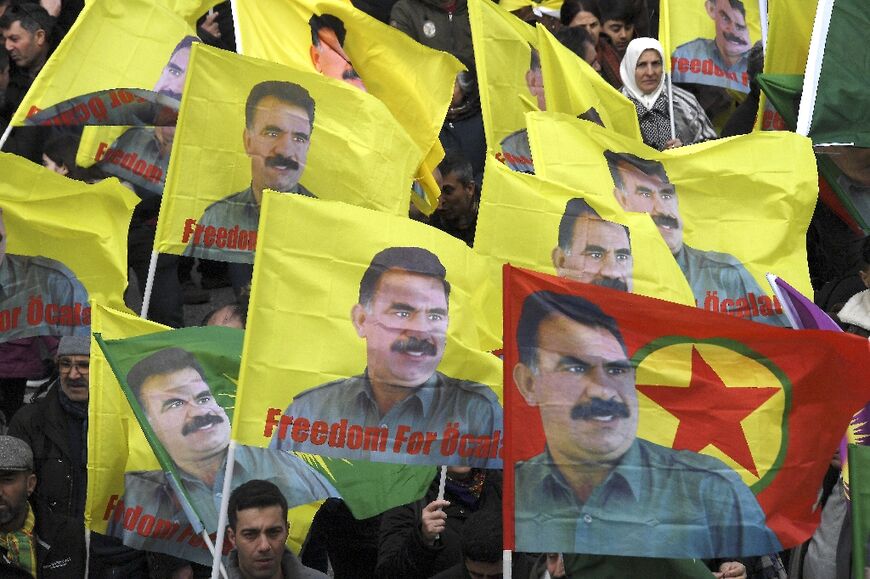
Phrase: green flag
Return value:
(835, 106)
(859, 468)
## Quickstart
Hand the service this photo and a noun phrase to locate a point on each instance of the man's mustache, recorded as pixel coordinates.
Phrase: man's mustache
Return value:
(599, 408)
(281, 160)
(77, 383)
(414, 345)
(666, 221)
(199, 422)
(611, 282)
(170, 93)
(735, 39)
(350, 74)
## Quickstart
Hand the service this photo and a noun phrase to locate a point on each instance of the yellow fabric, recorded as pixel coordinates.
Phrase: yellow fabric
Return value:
(358, 152)
(749, 196)
(519, 220)
(549, 5)
(19, 545)
(306, 280)
(572, 86)
(683, 22)
(414, 81)
(37, 205)
(111, 45)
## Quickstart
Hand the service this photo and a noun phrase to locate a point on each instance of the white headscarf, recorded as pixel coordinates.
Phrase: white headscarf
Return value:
(629, 63)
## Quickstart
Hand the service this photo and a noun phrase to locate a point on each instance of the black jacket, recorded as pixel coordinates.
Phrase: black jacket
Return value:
(60, 548)
(402, 551)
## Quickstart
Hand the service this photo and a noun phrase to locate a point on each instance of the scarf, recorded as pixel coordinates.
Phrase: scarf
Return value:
(629, 63)
(467, 490)
(19, 545)
(655, 124)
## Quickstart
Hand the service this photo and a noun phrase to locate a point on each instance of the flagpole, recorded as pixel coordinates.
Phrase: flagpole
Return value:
(814, 66)
(212, 550)
(671, 105)
(222, 513)
(5, 135)
(762, 16)
(149, 286)
(506, 564)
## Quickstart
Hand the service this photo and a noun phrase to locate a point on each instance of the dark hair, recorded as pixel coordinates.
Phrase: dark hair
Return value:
(236, 311)
(573, 210)
(287, 92)
(4, 59)
(481, 536)
(736, 4)
(575, 39)
(329, 22)
(534, 59)
(622, 10)
(540, 305)
(161, 363)
(571, 8)
(455, 162)
(31, 17)
(411, 259)
(62, 150)
(255, 494)
(865, 251)
(185, 42)
(646, 166)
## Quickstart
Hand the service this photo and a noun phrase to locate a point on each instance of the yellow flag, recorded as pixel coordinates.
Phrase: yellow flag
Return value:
(730, 210)
(51, 265)
(548, 227)
(117, 445)
(572, 86)
(110, 45)
(305, 134)
(414, 81)
(708, 41)
(378, 337)
(551, 7)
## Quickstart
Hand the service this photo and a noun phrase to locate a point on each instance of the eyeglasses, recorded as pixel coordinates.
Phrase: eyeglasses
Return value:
(66, 366)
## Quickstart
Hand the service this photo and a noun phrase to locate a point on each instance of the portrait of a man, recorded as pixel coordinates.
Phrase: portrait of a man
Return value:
(171, 389)
(591, 249)
(279, 122)
(402, 314)
(721, 61)
(327, 50)
(597, 487)
(643, 186)
(30, 281)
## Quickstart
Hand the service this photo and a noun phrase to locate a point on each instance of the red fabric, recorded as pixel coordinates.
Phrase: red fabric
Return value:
(825, 384)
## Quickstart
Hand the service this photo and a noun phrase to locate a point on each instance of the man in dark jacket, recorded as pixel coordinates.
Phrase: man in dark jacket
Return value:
(33, 543)
(439, 24)
(422, 538)
(56, 429)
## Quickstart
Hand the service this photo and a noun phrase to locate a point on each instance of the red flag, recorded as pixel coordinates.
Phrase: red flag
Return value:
(706, 405)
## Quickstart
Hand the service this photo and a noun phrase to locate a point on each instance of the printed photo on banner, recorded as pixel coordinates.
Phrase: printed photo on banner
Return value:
(390, 359)
(597, 487)
(401, 407)
(706, 201)
(185, 410)
(327, 50)
(720, 61)
(267, 126)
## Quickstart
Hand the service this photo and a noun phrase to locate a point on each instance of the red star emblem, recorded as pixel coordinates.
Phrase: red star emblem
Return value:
(710, 412)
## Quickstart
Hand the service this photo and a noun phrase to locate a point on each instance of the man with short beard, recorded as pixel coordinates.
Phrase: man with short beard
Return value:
(597, 488)
(402, 315)
(171, 389)
(591, 249)
(279, 120)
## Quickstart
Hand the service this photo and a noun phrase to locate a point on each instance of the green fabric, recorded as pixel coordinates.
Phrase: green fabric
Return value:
(859, 476)
(18, 545)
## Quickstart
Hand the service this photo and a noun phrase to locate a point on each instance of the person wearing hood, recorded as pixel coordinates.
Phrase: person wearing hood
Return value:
(855, 314)
(642, 74)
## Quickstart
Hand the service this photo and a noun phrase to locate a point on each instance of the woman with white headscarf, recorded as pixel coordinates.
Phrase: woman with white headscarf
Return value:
(643, 78)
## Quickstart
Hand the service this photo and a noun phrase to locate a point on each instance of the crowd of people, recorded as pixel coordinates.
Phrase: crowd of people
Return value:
(43, 460)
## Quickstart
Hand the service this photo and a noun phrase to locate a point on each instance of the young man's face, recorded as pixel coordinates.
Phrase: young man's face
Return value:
(405, 328)
(24, 47)
(590, 22)
(732, 34)
(277, 143)
(455, 199)
(620, 33)
(583, 386)
(184, 415)
(259, 539)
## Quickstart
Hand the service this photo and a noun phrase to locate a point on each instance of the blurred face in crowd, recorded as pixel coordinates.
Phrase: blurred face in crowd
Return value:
(259, 538)
(456, 198)
(600, 254)
(74, 376)
(620, 34)
(185, 416)
(590, 22)
(535, 82)
(15, 488)
(25, 48)
(277, 143)
(732, 34)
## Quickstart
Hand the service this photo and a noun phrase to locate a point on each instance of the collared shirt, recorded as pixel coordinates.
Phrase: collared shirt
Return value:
(656, 502)
(234, 220)
(151, 491)
(348, 406)
(136, 157)
(517, 152)
(721, 283)
(700, 62)
(41, 297)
